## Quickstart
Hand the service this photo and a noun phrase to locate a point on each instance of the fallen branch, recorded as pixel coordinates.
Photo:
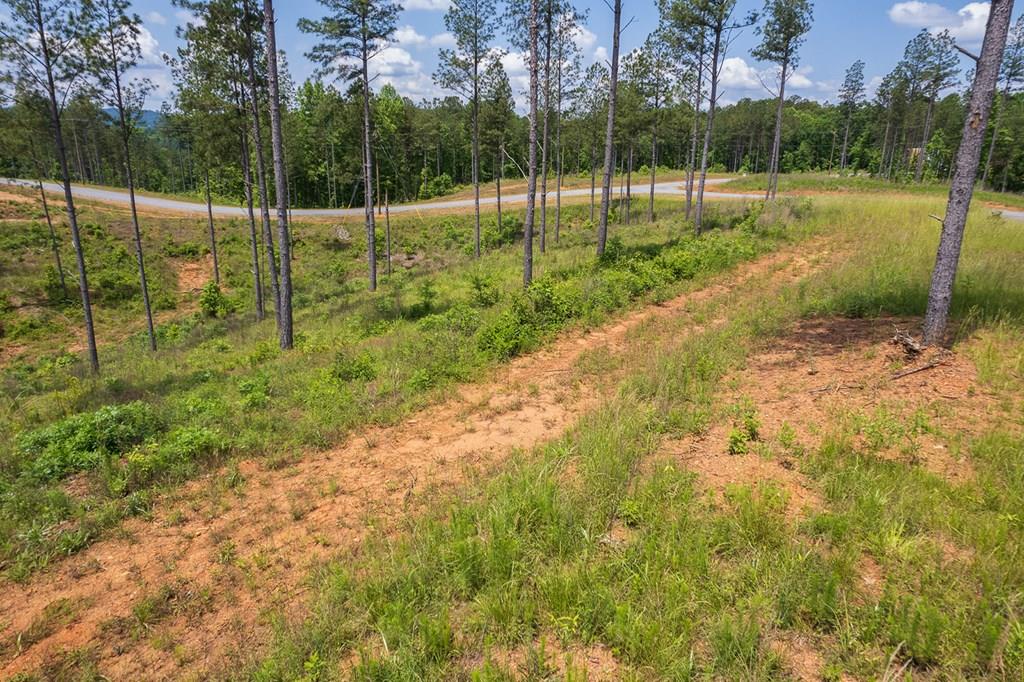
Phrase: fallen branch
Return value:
(923, 368)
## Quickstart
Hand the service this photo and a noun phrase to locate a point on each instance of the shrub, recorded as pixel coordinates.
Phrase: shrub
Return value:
(436, 186)
(485, 291)
(255, 391)
(175, 457)
(81, 441)
(349, 367)
(213, 302)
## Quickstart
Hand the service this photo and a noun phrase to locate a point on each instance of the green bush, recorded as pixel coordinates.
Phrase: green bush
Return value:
(213, 302)
(81, 441)
(431, 187)
(349, 367)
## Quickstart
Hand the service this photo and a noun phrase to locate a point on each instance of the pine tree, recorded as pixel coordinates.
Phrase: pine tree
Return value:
(38, 50)
(352, 34)
(111, 43)
(850, 95)
(786, 23)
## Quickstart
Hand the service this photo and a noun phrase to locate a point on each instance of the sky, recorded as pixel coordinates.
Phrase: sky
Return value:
(875, 31)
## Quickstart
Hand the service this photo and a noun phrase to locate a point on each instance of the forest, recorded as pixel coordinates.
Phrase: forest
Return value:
(611, 378)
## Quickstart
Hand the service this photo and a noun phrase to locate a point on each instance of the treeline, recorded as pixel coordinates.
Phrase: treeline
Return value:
(240, 130)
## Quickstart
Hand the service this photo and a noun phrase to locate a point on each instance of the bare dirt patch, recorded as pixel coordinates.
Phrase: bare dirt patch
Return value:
(194, 274)
(251, 546)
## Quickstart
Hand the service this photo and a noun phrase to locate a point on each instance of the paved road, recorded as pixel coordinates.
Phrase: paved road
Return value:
(120, 196)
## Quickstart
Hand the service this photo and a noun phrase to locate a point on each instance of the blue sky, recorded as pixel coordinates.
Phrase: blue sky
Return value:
(844, 30)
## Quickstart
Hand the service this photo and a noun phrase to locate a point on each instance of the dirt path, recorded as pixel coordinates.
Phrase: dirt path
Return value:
(188, 593)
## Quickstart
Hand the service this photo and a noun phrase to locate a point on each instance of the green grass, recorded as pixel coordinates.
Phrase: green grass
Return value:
(360, 359)
(817, 182)
(688, 588)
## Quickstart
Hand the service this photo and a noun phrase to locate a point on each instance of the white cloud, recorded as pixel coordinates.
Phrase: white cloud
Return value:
(967, 23)
(185, 17)
(410, 37)
(155, 18)
(151, 54)
(601, 54)
(736, 73)
(407, 35)
(430, 5)
(584, 38)
(443, 40)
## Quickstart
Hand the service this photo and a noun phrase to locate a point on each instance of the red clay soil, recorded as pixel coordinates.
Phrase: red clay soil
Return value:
(822, 372)
(217, 560)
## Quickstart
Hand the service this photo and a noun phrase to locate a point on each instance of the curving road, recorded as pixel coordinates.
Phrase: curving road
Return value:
(121, 197)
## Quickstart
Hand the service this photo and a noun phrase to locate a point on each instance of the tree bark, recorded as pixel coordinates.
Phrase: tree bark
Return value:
(130, 180)
(629, 185)
(961, 191)
(54, 244)
(773, 176)
(285, 332)
(919, 169)
(387, 231)
(371, 226)
(713, 96)
(62, 159)
(497, 181)
(593, 182)
(212, 231)
(546, 134)
(1003, 101)
(654, 172)
(476, 153)
(697, 101)
(531, 182)
(606, 180)
(253, 238)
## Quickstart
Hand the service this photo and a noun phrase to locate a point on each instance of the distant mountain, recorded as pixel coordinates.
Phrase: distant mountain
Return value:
(148, 119)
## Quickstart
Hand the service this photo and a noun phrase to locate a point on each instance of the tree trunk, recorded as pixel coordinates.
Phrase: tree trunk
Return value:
(558, 143)
(261, 170)
(593, 182)
(371, 226)
(606, 180)
(130, 178)
(654, 172)
(713, 96)
(1004, 100)
(54, 244)
(387, 231)
(280, 183)
(497, 181)
(546, 135)
(846, 143)
(531, 182)
(65, 174)
(476, 155)
(253, 238)
(212, 231)
(629, 185)
(773, 175)
(697, 97)
(940, 294)
(919, 169)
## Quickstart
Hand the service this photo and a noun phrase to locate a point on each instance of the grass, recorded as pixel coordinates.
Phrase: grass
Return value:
(601, 544)
(598, 542)
(154, 420)
(819, 182)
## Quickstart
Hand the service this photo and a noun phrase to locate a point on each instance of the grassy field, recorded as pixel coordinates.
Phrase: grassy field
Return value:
(810, 183)
(604, 555)
(751, 486)
(157, 419)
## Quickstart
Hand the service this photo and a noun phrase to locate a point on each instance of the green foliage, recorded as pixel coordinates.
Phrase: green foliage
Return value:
(82, 441)
(213, 302)
(434, 186)
(354, 367)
